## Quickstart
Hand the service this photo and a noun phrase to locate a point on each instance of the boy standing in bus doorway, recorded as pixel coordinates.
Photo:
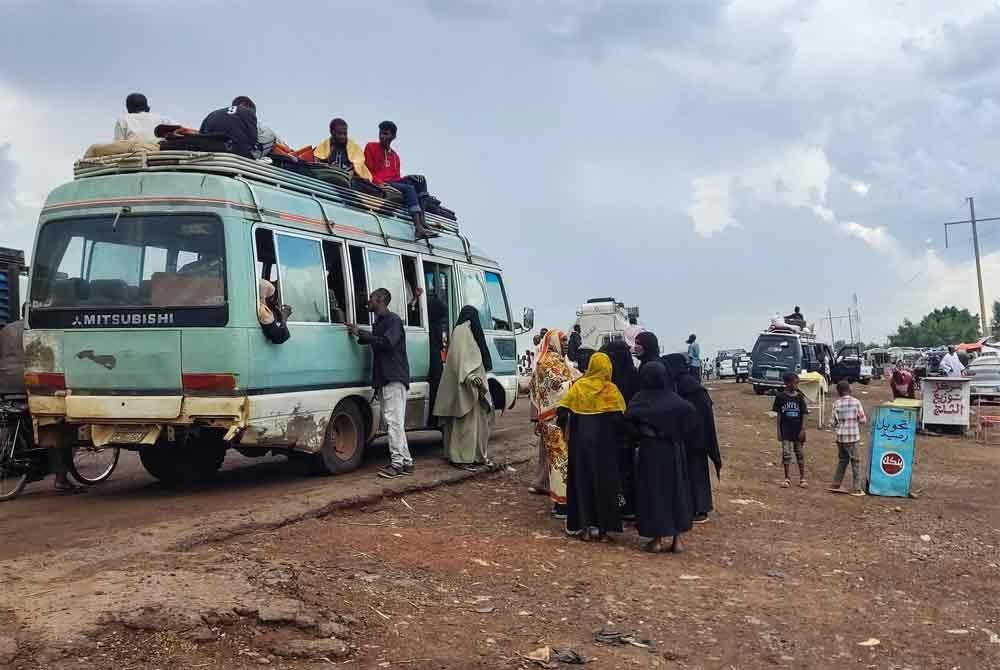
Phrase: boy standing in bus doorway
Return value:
(390, 377)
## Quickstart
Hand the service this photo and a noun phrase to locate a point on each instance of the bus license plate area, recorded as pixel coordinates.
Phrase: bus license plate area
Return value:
(772, 374)
(102, 435)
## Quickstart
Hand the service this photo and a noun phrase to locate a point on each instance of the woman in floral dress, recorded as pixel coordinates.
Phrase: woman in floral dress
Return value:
(551, 381)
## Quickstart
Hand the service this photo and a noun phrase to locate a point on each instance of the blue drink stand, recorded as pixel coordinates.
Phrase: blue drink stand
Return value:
(893, 447)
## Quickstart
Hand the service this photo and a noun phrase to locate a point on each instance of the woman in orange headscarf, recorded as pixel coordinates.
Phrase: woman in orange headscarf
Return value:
(592, 415)
(550, 382)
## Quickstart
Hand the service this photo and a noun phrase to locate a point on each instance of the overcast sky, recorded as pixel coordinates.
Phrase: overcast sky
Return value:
(711, 162)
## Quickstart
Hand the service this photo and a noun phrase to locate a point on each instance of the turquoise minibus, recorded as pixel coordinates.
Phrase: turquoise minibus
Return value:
(142, 328)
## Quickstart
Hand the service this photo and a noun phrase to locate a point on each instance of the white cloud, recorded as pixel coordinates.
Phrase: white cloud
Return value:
(860, 187)
(795, 177)
(711, 211)
(40, 150)
(878, 238)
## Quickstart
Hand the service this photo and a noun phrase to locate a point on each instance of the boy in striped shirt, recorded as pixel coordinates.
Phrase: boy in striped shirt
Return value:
(848, 417)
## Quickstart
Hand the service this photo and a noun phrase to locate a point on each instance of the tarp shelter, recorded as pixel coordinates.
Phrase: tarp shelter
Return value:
(815, 388)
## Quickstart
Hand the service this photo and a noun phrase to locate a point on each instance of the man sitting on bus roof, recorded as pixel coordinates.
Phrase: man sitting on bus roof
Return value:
(139, 123)
(796, 318)
(237, 123)
(340, 150)
(384, 164)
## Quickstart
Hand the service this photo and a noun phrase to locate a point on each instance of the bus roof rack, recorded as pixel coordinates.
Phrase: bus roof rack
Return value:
(231, 165)
(804, 333)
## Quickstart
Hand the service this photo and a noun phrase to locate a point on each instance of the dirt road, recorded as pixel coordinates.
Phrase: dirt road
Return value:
(132, 499)
(478, 574)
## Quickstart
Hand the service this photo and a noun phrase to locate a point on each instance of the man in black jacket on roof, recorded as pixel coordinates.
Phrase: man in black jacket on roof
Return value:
(237, 123)
(390, 377)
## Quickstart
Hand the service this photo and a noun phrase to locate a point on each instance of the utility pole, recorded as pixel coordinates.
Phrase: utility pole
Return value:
(983, 318)
(829, 316)
(857, 318)
(850, 325)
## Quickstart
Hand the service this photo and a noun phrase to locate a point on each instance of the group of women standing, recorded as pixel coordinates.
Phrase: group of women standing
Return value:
(621, 442)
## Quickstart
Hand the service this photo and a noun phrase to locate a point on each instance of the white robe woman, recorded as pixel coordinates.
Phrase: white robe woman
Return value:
(463, 403)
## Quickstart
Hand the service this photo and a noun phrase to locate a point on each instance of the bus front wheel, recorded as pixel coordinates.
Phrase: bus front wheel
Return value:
(343, 441)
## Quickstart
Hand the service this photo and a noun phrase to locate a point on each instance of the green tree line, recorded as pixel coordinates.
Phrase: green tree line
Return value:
(943, 326)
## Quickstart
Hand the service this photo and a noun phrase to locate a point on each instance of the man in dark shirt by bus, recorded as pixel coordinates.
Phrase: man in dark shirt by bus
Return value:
(390, 377)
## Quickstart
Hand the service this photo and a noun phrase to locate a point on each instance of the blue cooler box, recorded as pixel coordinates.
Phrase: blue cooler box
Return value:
(893, 447)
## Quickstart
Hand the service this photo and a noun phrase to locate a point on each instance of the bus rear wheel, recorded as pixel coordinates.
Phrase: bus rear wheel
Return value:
(343, 442)
(193, 462)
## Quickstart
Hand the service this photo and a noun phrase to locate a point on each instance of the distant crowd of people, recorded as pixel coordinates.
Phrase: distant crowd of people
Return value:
(623, 442)
(237, 129)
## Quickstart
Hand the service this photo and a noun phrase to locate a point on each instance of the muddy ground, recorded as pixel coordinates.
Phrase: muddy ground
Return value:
(269, 569)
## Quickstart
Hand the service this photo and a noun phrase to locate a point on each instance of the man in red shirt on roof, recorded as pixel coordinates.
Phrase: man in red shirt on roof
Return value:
(383, 162)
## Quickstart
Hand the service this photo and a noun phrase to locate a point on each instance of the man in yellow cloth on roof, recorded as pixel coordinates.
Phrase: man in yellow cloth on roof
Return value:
(340, 150)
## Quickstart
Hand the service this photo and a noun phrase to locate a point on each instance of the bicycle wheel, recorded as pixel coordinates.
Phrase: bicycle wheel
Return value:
(15, 466)
(93, 465)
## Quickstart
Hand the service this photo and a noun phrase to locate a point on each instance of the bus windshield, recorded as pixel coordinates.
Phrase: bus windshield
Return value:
(134, 261)
(776, 349)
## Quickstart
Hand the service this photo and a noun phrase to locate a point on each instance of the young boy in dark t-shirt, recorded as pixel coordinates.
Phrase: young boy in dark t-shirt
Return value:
(791, 407)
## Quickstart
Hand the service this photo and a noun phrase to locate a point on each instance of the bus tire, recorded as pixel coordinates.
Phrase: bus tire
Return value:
(759, 390)
(162, 463)
(343, 441)
(184, 464)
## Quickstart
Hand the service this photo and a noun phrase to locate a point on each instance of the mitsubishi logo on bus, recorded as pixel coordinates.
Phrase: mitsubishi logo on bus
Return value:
(118, 319)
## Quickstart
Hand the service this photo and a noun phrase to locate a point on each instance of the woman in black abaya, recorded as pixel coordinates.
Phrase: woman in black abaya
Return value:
(662, 422)
(647, 347)
(591, 417)
(706, 445)
(625, 376)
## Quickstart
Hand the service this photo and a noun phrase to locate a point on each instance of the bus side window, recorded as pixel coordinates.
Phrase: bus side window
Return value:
(414, 314)
(361, 315)
(300, 262)
(335, 281)
(267, 260)
(497, 301)
(474, 294)
(385, 271)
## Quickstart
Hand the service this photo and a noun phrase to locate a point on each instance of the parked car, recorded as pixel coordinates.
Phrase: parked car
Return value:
(743, 364)
(850, 365)
(780, 350)
(725, 362)
(985, 373)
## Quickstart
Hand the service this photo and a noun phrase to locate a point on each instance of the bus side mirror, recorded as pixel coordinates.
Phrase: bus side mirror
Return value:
(529, 320)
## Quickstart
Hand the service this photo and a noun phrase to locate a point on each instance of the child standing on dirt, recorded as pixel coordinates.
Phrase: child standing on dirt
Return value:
(791, 407)
(848, 417)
